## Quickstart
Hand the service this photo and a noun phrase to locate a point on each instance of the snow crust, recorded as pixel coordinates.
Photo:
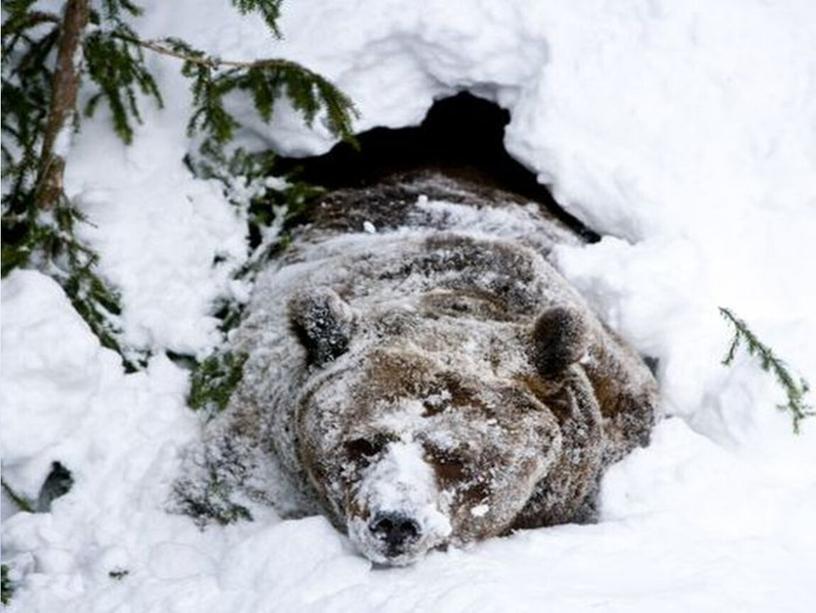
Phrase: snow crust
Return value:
(684, 131)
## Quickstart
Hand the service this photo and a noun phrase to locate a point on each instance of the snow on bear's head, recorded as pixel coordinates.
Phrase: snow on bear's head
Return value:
(416, 429)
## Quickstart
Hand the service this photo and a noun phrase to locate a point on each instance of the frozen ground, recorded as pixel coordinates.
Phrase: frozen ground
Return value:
(685, 131)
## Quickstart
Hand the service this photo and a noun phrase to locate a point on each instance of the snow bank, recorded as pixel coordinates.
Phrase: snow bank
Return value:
(168, 241)
(682, 130)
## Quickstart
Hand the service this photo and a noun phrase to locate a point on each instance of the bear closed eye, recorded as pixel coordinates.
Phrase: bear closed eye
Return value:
(432, 385)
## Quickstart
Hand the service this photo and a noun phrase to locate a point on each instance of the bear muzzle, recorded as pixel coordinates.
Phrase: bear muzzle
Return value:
(395, 538)
(397, 512)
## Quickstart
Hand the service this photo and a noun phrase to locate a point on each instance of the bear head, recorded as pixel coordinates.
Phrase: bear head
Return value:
(419, 427)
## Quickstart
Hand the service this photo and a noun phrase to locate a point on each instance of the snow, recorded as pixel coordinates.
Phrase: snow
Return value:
(158, 229)
(685, 132)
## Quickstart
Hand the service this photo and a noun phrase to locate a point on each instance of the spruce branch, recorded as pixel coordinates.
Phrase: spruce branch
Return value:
(113, 8)
(263, 79)
(214, 380)
(117, 68)
(18, 25)
(47, 56)
(795, 387)
(41, 77)
(6, 589)
(48, 240)
(22, 503)
(269, 10)
(179, 49)
(27, 82)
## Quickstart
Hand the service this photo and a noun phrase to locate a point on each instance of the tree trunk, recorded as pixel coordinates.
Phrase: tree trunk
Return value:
(64, 89)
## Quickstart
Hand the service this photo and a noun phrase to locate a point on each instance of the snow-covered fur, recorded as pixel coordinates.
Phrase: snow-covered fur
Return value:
(420, 372)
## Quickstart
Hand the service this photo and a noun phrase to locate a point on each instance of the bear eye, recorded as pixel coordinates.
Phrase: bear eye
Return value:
(361, 448)
(449, 466)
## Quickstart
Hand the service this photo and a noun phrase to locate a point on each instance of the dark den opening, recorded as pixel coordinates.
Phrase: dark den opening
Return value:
(461, 135)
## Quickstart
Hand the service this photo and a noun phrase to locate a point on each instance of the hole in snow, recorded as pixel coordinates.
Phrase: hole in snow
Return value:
(461, 136)
(58, 483)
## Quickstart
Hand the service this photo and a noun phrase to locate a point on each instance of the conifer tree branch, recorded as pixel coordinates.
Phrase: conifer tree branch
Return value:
(22, 22)
(265, 79)
(22, 503)
(37, 17)
(47, 56)
(795, 389)
(6, 589)
(64, 88)
(163, 47)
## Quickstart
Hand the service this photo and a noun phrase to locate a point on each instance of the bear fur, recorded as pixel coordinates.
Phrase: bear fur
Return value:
(419, 372)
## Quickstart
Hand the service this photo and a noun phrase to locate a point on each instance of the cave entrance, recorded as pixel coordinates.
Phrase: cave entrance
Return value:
(460, 136)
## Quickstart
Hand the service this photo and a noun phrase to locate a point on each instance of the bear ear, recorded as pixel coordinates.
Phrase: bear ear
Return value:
(560, 339)
(323, 322)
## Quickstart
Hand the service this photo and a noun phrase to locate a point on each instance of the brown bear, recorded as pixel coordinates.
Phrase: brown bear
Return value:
(420, 372)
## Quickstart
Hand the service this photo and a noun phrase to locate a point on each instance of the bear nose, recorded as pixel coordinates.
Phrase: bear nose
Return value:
(395, 529)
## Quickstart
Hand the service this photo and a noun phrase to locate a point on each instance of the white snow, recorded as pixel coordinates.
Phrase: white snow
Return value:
(480, 510)
(158, 229)
(683, 131)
